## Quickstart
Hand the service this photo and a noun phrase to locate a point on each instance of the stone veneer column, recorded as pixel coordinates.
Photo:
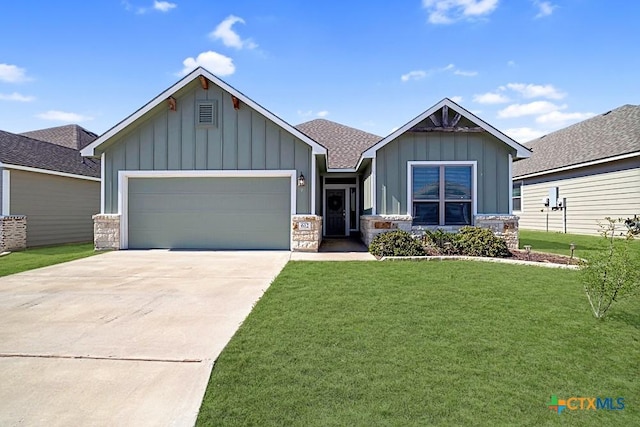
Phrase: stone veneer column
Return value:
(13, 233)
(504, 226)
(106, 231)
(306, 233)
(372, 225)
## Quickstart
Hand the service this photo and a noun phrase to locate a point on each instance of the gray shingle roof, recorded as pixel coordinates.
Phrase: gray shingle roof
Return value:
(344, 144)
(20, 150)
(71, 136)
(610, 134)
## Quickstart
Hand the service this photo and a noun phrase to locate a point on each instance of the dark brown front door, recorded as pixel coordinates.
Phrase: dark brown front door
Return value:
(336, 212)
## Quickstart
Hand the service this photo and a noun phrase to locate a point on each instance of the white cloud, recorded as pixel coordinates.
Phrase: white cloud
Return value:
(558, 118)
(458, 72)
(456, 99)
(215, 62)
(413, 75)
(160, 6)
(310, 113)
(524, 134)
(531, 109)
(536, 91)
(15, 96)
(163, 6)
(450, 11)
(511, 63)
(229, 37)
(13, 74)
(62, 116)
(490, 98)
(545, 8)
(465, 73)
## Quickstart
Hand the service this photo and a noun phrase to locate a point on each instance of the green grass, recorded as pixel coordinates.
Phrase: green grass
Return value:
(29, 259)
(558, 243)
(423, 343)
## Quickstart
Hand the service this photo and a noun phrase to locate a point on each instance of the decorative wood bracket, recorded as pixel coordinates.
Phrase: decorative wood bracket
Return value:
(204, 82)
(443, 124)
(236, 102)
(171, 101)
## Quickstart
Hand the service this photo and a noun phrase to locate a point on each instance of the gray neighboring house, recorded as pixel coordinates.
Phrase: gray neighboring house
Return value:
(204, 166)
(593, 166)
(48, 191)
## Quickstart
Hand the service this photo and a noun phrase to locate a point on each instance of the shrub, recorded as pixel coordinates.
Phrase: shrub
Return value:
(476, 241)
(611, 273)
(439, 242)
(395, 243)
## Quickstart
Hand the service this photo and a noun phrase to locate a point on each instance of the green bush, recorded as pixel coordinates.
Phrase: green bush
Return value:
(395, 243)
(475, 241)
(439, 242)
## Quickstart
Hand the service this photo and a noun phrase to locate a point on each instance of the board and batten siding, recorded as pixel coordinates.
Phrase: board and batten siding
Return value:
(592, 194)
(243, 139)
(58, 209)
(491, 154)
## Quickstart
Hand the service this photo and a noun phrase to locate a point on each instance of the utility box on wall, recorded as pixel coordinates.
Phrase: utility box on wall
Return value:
(553, 197)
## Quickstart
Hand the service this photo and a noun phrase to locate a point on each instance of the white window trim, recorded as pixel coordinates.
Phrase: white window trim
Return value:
(125, 175)
(521, 196)
(474, 183)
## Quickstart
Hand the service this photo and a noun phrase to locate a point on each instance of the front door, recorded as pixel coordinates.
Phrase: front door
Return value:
(336, 212)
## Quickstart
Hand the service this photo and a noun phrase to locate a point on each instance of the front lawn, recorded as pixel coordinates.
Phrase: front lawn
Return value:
(423, 343)
(29, 259)
(558, 243)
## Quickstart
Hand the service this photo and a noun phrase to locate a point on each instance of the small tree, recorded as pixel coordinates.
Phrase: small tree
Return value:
(611, 273)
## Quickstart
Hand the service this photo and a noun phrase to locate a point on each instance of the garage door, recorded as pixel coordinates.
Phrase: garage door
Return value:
(209, 213)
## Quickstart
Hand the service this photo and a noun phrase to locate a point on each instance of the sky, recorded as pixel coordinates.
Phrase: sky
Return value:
(527, 67)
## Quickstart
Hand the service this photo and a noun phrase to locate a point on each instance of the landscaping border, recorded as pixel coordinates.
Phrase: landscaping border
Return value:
(475, 258)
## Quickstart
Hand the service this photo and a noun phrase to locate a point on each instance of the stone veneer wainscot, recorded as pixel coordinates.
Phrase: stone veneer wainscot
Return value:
(504, 226)
(13, 233)
(306, 233)
(106, 232)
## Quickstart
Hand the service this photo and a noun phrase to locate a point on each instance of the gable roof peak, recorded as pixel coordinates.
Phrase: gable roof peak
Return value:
(521, 150)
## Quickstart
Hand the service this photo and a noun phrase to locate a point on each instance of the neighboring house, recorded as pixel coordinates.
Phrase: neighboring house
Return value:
(592, 166)
(48, 191)
(204, 166)
(70, 136)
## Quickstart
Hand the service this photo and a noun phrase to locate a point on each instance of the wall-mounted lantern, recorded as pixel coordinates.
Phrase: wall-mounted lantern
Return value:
(301, 180)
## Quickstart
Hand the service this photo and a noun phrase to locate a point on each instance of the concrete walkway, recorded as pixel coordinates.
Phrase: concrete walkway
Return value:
(123, 338)
(336, 250)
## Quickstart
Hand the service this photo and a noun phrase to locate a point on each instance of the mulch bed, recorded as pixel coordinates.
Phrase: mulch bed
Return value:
(543, 257)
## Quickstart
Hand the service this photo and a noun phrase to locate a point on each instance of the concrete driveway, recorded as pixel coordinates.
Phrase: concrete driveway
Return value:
(122, 338)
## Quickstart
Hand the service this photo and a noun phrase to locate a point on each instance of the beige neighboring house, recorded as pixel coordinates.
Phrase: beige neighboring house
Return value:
(593, 167)
(48, 191)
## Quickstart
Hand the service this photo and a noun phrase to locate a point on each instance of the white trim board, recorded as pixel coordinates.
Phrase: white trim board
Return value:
(521, 150)
(48, 172)
(579, 165)
(125, 175)
(89, 150)
(6, 192)
(474, 178)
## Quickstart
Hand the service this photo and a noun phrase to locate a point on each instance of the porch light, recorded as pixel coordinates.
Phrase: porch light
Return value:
(301, 180)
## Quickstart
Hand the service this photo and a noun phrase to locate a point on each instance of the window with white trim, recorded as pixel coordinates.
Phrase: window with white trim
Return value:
(516, 195)
(442, 194)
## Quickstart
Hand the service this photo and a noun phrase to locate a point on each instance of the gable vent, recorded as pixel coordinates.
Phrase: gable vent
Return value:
(207, 113)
